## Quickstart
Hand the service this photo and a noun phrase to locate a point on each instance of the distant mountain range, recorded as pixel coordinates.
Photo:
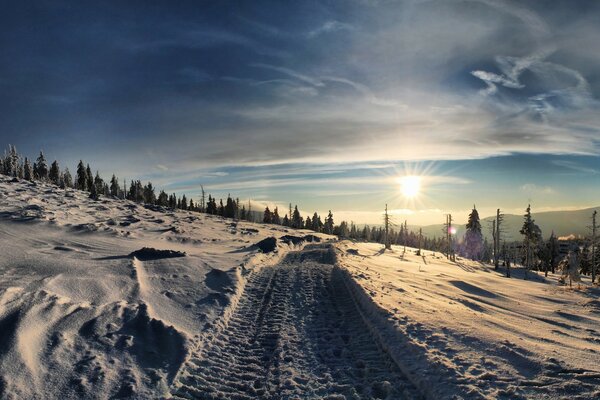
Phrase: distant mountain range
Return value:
(563, 223)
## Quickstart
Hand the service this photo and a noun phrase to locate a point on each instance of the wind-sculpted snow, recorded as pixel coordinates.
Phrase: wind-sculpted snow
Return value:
(462, 330)
(295, 333)
(106, 299)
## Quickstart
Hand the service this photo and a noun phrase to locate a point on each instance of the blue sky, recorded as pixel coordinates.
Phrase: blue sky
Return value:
(320, 103)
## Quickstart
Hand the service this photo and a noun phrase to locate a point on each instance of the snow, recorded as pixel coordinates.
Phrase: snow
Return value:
(111, 299)
(462, 329)
(85, 311)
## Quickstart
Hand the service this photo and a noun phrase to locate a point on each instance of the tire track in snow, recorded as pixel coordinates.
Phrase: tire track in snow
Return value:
(296, 333)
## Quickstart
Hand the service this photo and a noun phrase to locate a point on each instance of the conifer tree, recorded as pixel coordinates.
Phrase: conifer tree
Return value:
(275, 217)
(114, 186)
(99, 184)
(163, 199)
(297, 220)
(532, 237)
(267, 216)
(54, 173)
(89, 178)
(94, 193)
(28, 170)
(184, 204)
(329, 224)
(473, 244)
(41, 170)
(67, 179)
(81, 176)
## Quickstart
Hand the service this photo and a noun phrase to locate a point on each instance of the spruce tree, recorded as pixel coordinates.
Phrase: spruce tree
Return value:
(328, 227)
(473, 243)
(28, 170)
(67, 178)
(114, 186)
(81, 176)
(267, 219)
(99, 184)
(275, 219)
(532, 237)
(94, 193)
(297, 220)
(163, 199)
(41, 171)
(54, 173)
(89, 178)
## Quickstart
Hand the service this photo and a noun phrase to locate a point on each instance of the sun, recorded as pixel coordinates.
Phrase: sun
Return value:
(410, 186)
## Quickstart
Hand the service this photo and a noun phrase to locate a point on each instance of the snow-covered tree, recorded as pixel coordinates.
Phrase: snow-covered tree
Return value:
(41, 168)
(473, 241)
(532, 238)
(28, 170)
(67, 178)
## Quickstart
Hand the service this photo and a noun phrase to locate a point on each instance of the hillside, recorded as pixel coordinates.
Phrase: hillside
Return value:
(113, 299)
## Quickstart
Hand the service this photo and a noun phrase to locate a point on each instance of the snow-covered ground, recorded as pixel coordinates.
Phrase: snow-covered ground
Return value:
(92, 307)
(464, 329)
(80, 317)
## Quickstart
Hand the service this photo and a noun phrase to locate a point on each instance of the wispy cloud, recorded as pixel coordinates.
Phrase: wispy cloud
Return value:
(328, 27)
(532, 188)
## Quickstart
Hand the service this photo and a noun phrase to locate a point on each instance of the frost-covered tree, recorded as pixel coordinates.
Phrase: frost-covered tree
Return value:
(473, 241)
(532, 237)
(94, 193)
(41, 168)
(98, 183)
(67, 178)
(28, 170)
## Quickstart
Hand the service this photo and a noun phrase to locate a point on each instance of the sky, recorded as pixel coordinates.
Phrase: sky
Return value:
(324, 104)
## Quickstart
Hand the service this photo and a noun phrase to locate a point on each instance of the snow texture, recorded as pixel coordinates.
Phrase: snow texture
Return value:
(112, 299)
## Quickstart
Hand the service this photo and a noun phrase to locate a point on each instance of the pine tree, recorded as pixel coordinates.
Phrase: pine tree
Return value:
(267, 219)
(41, 170)
(184, 204)
(308, 223)
(28, 170)
(285, 221)
(81, 177)
(275, 217)
(473, 244)
(163, 199)
(89, 178)
(94, 193)
(532, 237)
(99, 184)
(149, 196)
(114, 186)
(54, 173)
(67, 179)
(329, 224)
(297, 220)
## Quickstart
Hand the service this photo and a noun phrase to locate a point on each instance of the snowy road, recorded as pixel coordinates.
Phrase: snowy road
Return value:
(296, 333)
